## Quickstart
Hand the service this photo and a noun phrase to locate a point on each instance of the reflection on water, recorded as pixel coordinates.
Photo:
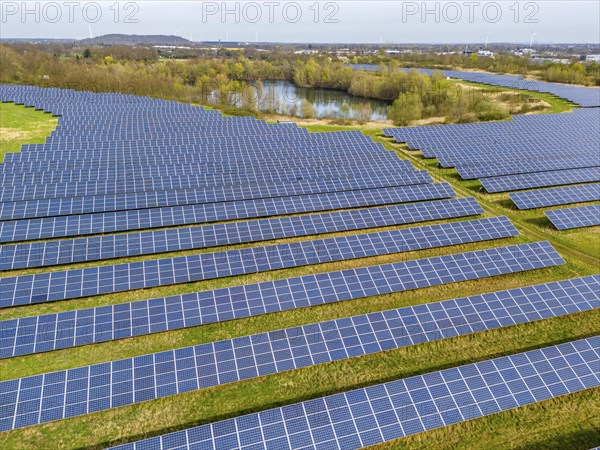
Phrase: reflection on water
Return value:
(283, 97)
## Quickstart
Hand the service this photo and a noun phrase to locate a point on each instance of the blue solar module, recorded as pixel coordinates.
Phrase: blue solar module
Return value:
(54, 286)
(407, 326)
(483, 169)
(151, 376)
(65, 226)
(556, 196)
(157, 165)
(265, 173)
(121, 202)
(50, 253)
(392, 410)
(214, 155)
(169, 186)
(579, 217)
(104, 323)
(540, 179)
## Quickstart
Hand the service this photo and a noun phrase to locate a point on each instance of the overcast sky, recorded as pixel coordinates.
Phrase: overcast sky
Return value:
(311, 21)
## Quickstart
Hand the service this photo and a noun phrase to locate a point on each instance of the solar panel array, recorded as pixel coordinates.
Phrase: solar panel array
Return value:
(526, 144)
(68, 393)
(578, 217)
(540, 179)
(368, 416)
(126, 176)
(69, 284)
(556, 196)
(530, 151)
(123, 320)
(583, 96)
(40, 254)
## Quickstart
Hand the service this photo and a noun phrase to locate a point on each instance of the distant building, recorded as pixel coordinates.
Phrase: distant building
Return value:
(546, 59)
(172, 47)
(486, 53)
(592, 58)
(525, 51)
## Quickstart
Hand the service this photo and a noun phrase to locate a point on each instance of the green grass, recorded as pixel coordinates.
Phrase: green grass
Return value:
(20, 125)
(567, 422)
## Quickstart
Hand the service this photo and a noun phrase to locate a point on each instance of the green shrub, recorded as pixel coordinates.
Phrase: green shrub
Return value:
(406, 108)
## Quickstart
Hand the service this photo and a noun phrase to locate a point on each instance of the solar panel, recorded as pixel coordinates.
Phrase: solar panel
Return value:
(556, 196)
(206, 194)
(40, 254)
(65, 226)
(387, 169)
(213, 155)
(392, 410)
(104, 323)
(579, 217)
(64, 285)
(540, 179)
(473, 170)
(173, 372)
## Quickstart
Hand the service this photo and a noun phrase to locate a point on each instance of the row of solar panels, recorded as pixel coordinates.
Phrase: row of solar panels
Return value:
(168, 186)
(565, 218)
(69, 284)
(142, 200)
(110, 222)
(68, 251)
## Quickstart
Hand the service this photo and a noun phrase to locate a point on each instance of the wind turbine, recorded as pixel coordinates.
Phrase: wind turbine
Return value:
(486, 40)
(90, 28)
(531, 40)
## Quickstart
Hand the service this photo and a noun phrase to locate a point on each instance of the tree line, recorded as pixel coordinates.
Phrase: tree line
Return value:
(234, 83)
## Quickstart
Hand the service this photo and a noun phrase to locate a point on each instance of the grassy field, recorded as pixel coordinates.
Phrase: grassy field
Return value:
(20, 125)
(570, 422)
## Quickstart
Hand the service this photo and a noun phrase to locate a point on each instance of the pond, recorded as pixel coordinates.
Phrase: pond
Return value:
(283, 97)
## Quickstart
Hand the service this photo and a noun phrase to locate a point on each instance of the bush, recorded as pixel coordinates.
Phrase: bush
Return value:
(491, 111)
(406, 108)
(363, 113)
(308, 110)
